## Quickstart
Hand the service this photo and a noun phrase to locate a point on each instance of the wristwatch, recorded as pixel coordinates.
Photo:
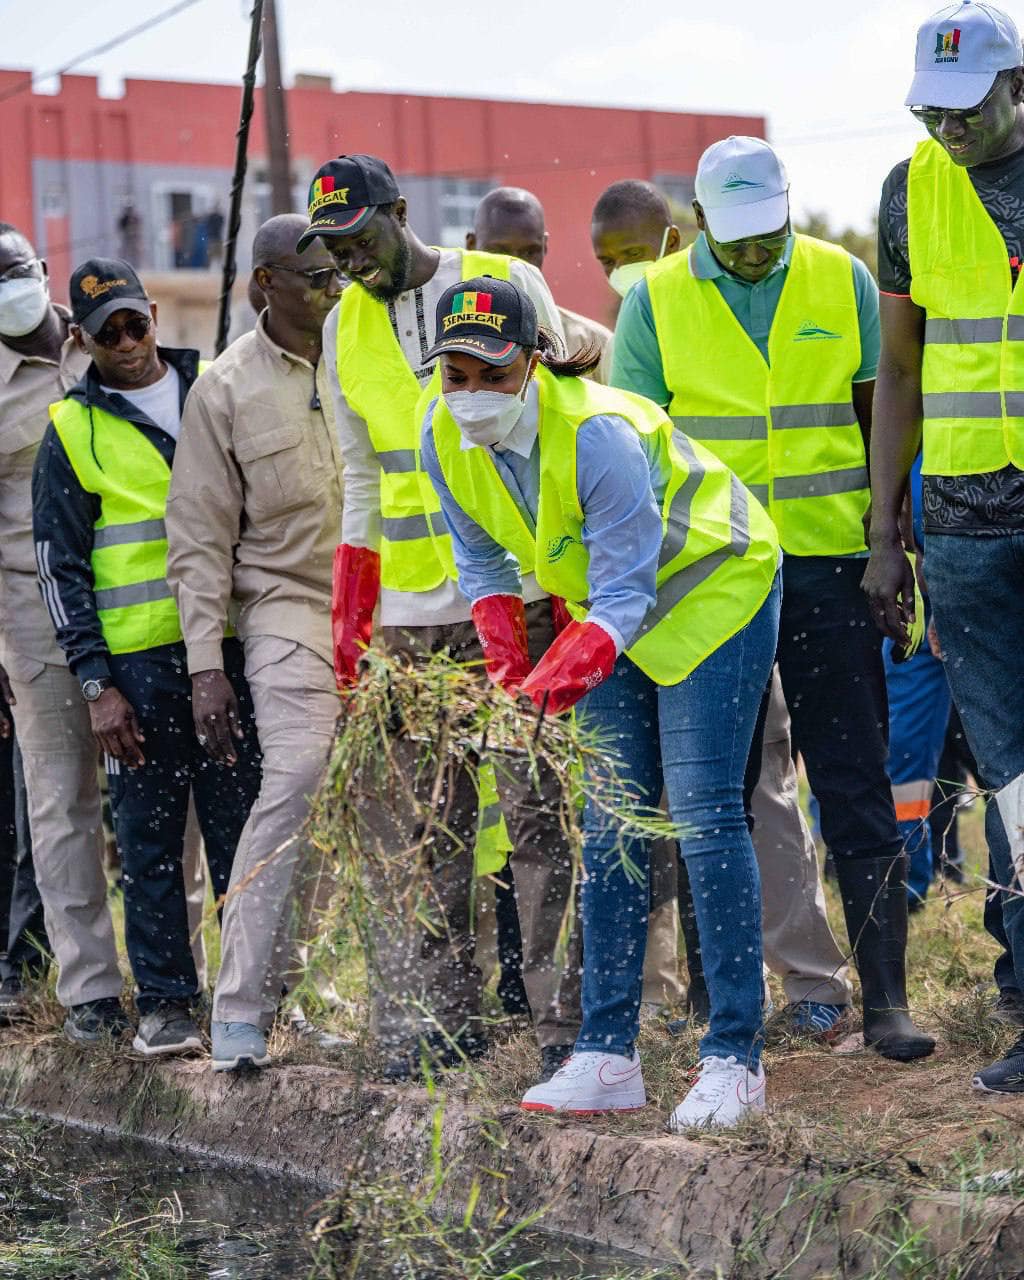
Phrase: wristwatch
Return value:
(91, 689)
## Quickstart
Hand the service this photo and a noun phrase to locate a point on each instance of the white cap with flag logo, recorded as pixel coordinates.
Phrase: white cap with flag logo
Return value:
(960, 51)
(743, 189)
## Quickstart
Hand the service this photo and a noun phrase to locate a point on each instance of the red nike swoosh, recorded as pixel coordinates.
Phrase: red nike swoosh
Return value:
(619, 1077)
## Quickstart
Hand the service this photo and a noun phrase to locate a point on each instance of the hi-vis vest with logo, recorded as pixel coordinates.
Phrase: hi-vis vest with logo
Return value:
(787, 426)
(972, 371)
(718, 556)
(114, 460)
(415, 549)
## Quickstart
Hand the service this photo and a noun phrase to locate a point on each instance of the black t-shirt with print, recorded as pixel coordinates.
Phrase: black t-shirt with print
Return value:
(992, 502)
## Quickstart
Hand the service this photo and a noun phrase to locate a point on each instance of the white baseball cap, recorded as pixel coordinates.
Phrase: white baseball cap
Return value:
(743, 189)
(960, 51)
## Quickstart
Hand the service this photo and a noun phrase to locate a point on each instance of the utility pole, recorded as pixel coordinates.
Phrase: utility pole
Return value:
(279, 164)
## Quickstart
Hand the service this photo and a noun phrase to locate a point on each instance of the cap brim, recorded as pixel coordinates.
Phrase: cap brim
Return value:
(955, 90)
(340, 222)
(492, 350)
(744, 221)
(95, 320)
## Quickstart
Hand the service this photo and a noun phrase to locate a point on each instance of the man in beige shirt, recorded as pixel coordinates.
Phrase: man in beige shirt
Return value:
(510, 220)
(253, 517)
(39, 363)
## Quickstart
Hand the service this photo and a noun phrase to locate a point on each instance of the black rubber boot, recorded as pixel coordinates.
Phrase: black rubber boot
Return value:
(874, 894)
(698, 1005)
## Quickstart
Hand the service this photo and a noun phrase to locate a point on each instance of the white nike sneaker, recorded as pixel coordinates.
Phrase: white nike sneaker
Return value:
(724, 1093)
(590, 1083)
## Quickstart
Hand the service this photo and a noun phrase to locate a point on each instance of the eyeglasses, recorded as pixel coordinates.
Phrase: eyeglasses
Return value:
(768, 243)
(318, 280)
(972, 117)
(30, 270)
(136, 327)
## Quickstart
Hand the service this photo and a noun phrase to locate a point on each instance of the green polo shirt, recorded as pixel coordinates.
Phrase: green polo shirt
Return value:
(636, 356)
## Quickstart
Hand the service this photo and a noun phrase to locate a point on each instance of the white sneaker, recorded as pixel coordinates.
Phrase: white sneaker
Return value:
(725, 1092)
(590, 1083)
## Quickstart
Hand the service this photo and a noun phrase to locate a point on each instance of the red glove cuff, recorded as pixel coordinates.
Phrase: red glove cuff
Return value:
(500, 623)
(579, 660)
(354, 591)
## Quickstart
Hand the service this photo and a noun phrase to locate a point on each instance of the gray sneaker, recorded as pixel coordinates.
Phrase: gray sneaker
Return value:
(169, 1028)
(91, 1022)
(309, 1033)
(238, 1044)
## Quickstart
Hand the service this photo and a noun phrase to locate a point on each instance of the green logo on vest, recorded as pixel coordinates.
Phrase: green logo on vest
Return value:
(809, 332)
(557, 547)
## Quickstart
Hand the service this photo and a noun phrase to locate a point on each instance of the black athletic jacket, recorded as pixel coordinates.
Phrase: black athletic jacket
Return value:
(63, 516)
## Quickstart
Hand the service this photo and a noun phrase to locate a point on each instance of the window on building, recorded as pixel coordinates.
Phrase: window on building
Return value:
(459, 199)
(677, 187)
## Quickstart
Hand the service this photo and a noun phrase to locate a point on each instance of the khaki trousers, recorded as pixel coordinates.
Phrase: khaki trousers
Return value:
(59, 753)
(799, 945)
(296, 704)
(662, 984)
(424, 977)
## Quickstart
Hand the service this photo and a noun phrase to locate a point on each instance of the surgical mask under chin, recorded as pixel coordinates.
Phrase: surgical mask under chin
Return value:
(23, 305)
(486, 417)
(623, 278)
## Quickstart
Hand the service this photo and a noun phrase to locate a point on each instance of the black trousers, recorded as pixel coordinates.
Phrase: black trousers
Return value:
(830, 661)
(150, 807)
(23, 941)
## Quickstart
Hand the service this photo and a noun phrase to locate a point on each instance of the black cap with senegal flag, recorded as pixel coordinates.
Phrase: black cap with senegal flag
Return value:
(485, 317)
(344, 196)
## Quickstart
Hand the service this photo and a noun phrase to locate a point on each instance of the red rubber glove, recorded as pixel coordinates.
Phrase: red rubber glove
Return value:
(560, 615)
(354, 593)
(580, 659)
(500, 623)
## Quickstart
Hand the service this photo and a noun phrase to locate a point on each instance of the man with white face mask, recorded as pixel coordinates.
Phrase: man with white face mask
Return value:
(630, 228)
(39, 363)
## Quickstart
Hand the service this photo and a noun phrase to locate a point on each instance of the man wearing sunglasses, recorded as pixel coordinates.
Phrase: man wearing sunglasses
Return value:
(253, 517)
(99, 499)
(763, 345)
(39, 362)
(951, 381)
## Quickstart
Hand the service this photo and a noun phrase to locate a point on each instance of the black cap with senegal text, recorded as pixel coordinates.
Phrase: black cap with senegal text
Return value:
(485, 317)
(344, 196)
(101, 286)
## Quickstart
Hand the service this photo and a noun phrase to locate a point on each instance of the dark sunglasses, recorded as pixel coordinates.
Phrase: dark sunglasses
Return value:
(972, 117)
(768, 243)
(318, 279)
(136, 327)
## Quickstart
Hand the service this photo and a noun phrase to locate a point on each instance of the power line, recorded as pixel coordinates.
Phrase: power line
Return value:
(24, 85)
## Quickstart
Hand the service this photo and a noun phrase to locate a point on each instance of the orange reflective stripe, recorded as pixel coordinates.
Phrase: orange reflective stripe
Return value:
(913, 810)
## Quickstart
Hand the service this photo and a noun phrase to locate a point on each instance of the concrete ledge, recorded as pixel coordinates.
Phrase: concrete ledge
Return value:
(666, 1199)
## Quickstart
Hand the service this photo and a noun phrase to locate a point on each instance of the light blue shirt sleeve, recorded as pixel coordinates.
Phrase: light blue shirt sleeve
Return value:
(485, 568)
(866, 292)
(636, 355)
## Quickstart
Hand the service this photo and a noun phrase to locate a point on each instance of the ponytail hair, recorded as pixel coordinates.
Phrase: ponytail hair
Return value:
(577, 365)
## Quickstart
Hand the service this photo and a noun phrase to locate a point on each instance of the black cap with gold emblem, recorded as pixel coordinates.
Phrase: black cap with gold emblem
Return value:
(101, 286)
(485, 317)
(344, 196)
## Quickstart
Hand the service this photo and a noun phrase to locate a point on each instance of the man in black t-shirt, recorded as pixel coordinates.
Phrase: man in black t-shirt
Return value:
(951, 233)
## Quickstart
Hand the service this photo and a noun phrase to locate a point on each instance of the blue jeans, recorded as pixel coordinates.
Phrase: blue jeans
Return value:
(976, 586)
(695, 737)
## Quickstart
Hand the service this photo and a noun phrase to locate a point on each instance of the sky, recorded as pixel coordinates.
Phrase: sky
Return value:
(829, 77)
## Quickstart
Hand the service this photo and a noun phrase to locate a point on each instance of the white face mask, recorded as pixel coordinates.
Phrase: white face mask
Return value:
(623, 278)
(23, 304)
(486, 417)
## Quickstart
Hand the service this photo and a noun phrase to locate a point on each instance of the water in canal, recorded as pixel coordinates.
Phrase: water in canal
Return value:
(78, 1206)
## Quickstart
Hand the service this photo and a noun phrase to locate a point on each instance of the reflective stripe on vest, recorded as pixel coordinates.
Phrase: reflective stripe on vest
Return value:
(972, 369)
(382, 389)
(719, 551)
(787, 426)
(115, 461)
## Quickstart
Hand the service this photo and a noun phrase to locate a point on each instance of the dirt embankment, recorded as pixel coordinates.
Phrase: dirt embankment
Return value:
(663, 1198)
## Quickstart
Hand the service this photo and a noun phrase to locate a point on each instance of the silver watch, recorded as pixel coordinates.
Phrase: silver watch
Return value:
(91, 689)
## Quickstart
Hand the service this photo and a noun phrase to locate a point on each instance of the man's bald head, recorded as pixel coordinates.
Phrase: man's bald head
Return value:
(510, 220)
(297, 304)
(632, 222)
(276, 239)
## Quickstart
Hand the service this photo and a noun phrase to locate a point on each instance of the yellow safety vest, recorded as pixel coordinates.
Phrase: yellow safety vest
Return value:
(972, 371)
(114, 460)
(379, 385)
(719, 552)
(492, 847)
(787, 426)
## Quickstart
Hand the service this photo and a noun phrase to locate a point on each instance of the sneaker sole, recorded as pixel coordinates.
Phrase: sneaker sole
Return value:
(547, 1109)
(243, 1060)
(192, 1045)
(981, 1087)
(79, 1037)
